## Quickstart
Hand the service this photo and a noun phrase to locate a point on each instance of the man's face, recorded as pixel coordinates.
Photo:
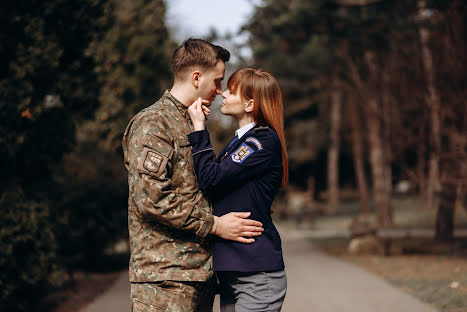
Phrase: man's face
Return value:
(210, 82)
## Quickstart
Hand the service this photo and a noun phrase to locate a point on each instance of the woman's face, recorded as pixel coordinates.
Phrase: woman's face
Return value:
(233, 104)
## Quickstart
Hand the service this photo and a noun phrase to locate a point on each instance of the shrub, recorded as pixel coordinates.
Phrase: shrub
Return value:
(92, 208)
(27, 250)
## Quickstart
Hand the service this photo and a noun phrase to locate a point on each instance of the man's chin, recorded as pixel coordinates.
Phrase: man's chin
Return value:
(210, 100)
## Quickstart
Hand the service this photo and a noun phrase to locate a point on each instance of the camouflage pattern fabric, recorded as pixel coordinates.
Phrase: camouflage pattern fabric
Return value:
(171, 296)
(168, 218)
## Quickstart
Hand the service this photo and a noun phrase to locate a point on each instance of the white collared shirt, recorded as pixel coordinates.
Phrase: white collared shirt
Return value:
(241, 132)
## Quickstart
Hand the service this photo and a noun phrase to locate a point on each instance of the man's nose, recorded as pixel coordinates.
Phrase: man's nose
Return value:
(219, 90)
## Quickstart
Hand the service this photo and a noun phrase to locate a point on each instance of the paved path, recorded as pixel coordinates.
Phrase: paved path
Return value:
(116, 299)
(316, 282)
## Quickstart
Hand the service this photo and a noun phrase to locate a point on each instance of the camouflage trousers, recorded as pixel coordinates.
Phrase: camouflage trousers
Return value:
(172, 296)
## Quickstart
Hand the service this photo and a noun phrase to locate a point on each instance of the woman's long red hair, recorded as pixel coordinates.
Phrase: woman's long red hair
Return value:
(261, 87)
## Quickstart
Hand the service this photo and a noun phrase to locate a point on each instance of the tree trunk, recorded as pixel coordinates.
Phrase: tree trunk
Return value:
(445, 215)
(433, 102)
(357, 151)
(386, 131)
(460, 192)
(333, 153)
(376, 148)
(377, 166)
(421, 175)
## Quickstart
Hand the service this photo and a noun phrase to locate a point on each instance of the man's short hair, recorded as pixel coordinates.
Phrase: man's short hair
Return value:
(197, 52)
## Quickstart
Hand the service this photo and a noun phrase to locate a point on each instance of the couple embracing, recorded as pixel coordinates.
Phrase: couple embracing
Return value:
(200, 224)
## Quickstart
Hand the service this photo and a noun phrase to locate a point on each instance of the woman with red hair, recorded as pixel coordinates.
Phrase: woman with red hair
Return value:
(245, 178)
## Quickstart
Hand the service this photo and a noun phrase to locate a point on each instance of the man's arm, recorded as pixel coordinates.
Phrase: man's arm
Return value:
(155, 193)
(150, 154)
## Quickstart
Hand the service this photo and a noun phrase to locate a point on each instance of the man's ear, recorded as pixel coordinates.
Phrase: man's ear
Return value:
(195, 78)
(249, 106)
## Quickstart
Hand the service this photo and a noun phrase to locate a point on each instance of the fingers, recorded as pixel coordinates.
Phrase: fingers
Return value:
(199, 101)
(246, 222)
(242, 215)
(197, 114)
(206, 110)
(193, 108)
(249, 222)
(198, 107)
(251, 234)
(233, 226)
(199, 104)
(256, 229)
(244, 240)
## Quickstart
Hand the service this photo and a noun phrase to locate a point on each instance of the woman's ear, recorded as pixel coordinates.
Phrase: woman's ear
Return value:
(195, 78)
(249, 106)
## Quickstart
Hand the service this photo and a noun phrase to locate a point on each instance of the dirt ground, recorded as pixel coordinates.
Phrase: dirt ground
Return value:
(88, 287)
(437, 279)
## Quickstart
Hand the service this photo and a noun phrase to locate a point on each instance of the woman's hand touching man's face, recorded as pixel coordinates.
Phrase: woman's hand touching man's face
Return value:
(199, 113)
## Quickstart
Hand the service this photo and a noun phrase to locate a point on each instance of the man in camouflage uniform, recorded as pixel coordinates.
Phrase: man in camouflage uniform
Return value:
(169, 219)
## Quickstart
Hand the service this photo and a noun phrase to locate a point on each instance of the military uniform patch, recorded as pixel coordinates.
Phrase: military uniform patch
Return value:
(242, 153)
(255, 142)
(152, 161)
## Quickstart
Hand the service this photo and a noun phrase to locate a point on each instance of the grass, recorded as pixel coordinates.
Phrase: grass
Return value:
(407, 213)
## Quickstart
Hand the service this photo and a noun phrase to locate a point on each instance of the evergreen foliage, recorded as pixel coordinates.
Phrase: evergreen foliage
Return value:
(72, 74)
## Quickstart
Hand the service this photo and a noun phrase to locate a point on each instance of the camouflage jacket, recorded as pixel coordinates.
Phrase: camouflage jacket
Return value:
(168, 218)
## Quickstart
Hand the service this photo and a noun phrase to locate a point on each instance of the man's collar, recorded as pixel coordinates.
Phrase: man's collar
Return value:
(241, 132)
(181, 107)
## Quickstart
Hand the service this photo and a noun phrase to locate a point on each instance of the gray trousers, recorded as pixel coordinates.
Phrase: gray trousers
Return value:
(252, 291)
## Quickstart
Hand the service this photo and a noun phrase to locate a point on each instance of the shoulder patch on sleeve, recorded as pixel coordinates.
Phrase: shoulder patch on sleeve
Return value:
(152, 162)
(255, 141)
(242, 153)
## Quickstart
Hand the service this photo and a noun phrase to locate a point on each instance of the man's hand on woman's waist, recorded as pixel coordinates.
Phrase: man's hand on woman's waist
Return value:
(236, 227)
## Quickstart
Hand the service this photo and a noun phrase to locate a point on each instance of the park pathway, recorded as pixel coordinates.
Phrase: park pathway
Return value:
(316, 282)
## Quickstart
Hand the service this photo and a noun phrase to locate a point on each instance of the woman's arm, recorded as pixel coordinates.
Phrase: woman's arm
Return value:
(249, 160)
(252, 157)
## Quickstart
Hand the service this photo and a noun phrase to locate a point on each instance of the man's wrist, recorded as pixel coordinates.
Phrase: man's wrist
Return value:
(214, 226)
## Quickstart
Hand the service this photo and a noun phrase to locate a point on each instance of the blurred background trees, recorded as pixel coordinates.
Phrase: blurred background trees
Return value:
(389, 72)
(374, 94)
(72, 74)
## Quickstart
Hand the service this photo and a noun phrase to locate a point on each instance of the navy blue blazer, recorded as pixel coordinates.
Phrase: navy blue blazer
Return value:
(244, 178)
